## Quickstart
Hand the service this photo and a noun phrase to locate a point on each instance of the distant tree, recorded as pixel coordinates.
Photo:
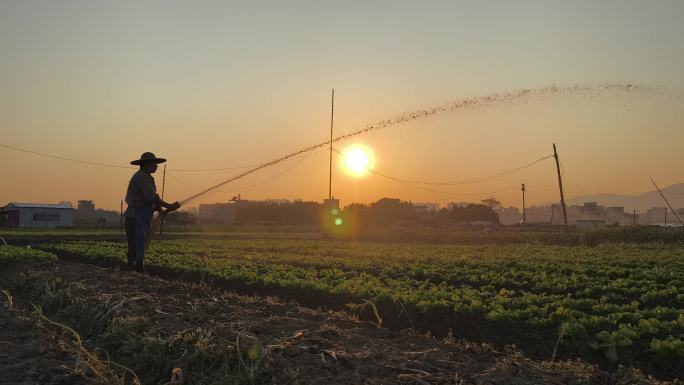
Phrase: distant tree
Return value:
(473, 213)
(290, 213)
(385, 211)
(183, 218)
(492, 203)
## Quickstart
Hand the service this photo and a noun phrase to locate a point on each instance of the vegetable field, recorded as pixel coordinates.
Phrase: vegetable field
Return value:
(608, 304)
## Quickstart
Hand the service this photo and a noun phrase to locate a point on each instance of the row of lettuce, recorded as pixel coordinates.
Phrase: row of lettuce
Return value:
(621, 301)
(17, 254)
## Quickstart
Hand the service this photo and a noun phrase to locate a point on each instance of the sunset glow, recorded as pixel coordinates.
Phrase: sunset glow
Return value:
(357, 160)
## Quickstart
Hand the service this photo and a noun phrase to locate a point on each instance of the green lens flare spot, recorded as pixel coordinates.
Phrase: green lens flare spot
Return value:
(334, 212)
(338, 221)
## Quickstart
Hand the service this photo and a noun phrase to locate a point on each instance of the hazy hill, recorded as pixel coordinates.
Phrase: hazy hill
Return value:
(641, 202)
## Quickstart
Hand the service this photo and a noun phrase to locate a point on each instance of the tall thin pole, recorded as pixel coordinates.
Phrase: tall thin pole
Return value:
(524, 218)
(332, 119)
(560, 186)
(668, 203)
(161, 226)
(121, 218)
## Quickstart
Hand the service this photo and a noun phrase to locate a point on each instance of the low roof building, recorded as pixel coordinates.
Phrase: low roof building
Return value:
(17, 214)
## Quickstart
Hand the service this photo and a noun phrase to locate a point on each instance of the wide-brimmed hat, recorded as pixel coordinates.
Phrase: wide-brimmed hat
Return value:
(148, 157)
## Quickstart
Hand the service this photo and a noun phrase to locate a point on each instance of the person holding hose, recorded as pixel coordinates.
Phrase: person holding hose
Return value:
(142, 200)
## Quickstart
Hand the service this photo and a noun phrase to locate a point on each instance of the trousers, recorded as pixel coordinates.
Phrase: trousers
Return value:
(137, 230)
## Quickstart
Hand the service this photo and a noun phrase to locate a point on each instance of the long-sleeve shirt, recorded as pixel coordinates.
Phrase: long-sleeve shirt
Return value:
(142, 192)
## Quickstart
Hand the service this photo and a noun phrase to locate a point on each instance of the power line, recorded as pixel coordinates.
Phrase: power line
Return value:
(270, 179)
(408, 183)
(464, 181)
(91, 163)
(481, 179)
(301, 159)
(63, 157)
(211, 169)
(551, 189)
(183, 182)
(439, 191)
(307, 153)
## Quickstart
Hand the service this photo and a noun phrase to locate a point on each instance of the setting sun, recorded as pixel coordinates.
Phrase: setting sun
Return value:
(357, 160)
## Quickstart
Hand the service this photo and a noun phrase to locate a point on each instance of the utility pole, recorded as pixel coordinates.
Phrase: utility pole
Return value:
(666, 217)
(524, 217)
(121, 218)
(635, 217)
(668, 203)
(332, 116)
(560, 186)
(161, 226)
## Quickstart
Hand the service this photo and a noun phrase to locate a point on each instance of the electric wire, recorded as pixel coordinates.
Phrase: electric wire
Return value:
(463, 104)
(444, 192)
(464, 181)
(211, 169)
(402, 181)
(308, 151)
(91, 163)
(481, 179)
(63, 157)
(301, 159)
(182, 181)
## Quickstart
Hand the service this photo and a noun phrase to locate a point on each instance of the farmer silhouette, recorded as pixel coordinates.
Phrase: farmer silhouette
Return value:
(142, 200)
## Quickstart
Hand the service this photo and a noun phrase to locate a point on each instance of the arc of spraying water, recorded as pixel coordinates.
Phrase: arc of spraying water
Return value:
(463, 104)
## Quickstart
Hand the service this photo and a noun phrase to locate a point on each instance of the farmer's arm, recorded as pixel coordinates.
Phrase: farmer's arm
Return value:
(169, 206)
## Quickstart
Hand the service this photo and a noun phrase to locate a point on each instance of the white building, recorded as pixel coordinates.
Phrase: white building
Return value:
(36, 215)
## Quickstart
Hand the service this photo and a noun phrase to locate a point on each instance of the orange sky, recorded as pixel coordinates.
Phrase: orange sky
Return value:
(221, 85)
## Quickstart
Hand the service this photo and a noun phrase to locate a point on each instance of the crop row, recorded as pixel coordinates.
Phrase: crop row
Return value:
(620, 302)
(15, 253)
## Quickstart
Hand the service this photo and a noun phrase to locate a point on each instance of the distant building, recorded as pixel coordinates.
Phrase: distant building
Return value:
(539, 214)
(509, 215)
(36, 215)
(575, 213)
(591, 210)
(656, 215)
(557, 214)
(680, 214)
(85, 214)
(632, 218)
(217, 213)
(615, 215)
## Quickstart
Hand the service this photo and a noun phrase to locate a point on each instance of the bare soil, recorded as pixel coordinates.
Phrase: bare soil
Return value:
(31, 354)
(173, 332)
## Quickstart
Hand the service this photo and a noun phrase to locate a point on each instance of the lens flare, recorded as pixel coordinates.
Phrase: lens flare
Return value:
(357, 159)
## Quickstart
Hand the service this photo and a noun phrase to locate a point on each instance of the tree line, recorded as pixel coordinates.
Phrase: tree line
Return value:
(386, 211)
